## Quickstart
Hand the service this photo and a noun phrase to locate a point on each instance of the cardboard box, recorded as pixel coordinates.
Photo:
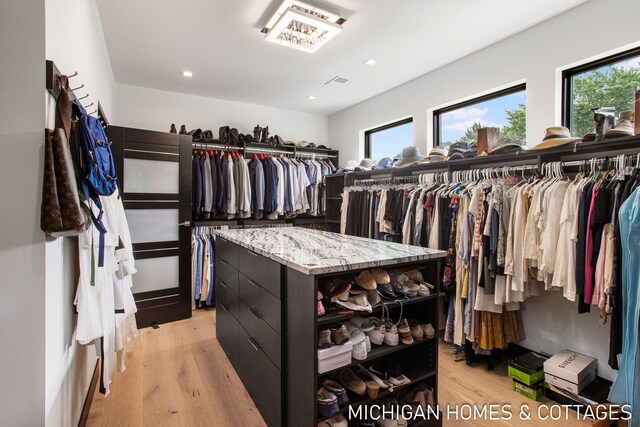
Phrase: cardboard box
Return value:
(570, 366)
(536, 392)
(334, 357)
(528, 369)
(569, 386)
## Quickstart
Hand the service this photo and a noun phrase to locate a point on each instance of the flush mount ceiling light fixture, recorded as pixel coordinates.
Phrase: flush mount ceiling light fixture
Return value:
(311, 97)
(301, 26)
(370, 62)
(186, 73)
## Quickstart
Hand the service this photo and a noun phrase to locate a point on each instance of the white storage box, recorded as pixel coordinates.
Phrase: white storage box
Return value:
(570, 366)
(334, 357)
(569, 386)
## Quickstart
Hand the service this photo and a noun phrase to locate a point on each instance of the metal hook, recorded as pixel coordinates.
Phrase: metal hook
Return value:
(77, 88)
(86, 96)
(72, 75)
(93, 112)
(87, 106)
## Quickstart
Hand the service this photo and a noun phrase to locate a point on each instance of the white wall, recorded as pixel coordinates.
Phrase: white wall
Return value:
(534, 55)
(75, 42)
(155, 110)
(22, 284)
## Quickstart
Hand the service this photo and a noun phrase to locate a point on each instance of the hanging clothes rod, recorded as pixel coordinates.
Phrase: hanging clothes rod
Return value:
(206, 146)
(266, 151)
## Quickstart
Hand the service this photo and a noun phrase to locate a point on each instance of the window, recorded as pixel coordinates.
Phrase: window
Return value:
(608, 82)
(505, 109)
(388, 140)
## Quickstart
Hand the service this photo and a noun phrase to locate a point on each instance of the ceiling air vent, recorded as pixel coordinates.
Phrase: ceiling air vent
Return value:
(337, 79)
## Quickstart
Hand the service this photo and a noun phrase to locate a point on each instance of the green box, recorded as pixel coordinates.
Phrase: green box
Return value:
(527, 369)
(535, 393)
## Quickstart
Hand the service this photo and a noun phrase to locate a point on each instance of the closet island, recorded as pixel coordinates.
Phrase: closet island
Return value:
(268, 285)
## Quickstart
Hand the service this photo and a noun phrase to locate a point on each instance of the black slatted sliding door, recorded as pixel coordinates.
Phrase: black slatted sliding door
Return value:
(154, 170)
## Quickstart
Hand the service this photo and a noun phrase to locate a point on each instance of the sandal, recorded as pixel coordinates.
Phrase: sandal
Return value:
(351, 382)
(372, 386)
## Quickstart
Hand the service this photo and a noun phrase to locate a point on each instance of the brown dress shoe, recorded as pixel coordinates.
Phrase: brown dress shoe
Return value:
(173, 128)
(183, 130)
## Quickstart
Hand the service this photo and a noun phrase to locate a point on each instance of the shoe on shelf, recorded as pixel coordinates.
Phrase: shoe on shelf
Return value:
(423, 290)
(324, 338)
(377, 334)
(327, 403)
(408, 283)
(416, 330)
(321, 310)
(386, 291)
(391, 336)
(405, 332)
(429, 332)
(183, 130)
(173, 128)
(381, 383)
(372, 386)
(365, 324)
(366, 280)
(380, 419)
(398, 289)
(427, 395)
(359, 351)
(340, 335)
(351, 382)
(337, 390)
(374, 297)
(355, 334)
(337, 421)
(397, 378)
(381, 276)
(367, 343)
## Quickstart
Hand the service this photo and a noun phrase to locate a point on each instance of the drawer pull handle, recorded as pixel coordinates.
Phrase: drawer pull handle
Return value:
(224, 307)
(253, 283)
(254, 344)
(224, 285)
(255, 314)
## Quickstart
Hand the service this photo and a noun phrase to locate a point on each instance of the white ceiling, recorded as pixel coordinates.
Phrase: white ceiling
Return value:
(150, 42)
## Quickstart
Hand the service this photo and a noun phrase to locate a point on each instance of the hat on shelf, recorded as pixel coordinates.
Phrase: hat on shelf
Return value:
(438, 154)
(367, 164)
(457, 150)
(509, 145)
(384, 163)
(624, 126)
(351, 164)
(290, 143)
(410, 156)
(555, 137)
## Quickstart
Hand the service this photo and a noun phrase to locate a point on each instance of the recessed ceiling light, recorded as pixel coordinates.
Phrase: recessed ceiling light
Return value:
(187, 74)
(311, 97)
(301, 26)
(370, 62)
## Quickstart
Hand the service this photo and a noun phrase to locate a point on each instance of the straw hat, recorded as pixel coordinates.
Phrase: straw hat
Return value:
(556, 136)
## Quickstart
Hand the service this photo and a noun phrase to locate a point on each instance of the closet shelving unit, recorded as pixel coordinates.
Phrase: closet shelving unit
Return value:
(248, 150)
(582, 151)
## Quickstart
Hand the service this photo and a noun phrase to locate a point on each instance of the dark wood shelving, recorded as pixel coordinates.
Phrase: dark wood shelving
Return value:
(378, 351)
(359, 401)
(332, 318)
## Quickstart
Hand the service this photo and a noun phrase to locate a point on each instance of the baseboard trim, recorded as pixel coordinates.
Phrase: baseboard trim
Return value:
(84, 415)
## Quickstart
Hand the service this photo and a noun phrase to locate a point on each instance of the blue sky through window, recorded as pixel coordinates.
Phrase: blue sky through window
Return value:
(390, 142)
(490, 113)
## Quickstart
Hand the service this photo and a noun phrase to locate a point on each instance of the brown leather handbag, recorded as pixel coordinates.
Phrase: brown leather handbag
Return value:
(61, 212)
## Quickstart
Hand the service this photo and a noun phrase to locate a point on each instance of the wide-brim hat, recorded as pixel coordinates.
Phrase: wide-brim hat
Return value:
(438, 154)
(351, 164)
(367, 164)
(410, 156)
(384, 163)
(508, 145)
(555, 137)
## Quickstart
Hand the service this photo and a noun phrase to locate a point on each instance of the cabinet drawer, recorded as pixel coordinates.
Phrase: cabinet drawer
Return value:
(227, 251)
(261, 378)
(267, 339)
(227, 331)
(261, 270)
(227, 299)
(263, 303)
(227, 274)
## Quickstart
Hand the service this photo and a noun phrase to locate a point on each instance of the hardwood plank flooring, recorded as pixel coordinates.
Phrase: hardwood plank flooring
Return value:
(178, 375)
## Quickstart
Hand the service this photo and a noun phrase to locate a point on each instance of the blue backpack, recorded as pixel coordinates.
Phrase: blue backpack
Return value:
(98, 171)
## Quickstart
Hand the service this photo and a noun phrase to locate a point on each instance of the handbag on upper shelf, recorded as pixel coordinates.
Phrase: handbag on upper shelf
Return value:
(61, 213)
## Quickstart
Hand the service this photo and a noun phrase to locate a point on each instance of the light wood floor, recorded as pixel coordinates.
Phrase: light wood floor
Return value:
(178, 375)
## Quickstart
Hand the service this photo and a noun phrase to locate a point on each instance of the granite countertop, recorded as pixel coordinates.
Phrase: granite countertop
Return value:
(320, 252)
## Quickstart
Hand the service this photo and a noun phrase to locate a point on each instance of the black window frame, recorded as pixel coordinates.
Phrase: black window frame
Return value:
(369, 132)
(437, 114)
(569, 73)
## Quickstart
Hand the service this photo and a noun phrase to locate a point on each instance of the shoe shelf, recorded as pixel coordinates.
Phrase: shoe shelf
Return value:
(380, 351)
(333, 318)
(359, 401)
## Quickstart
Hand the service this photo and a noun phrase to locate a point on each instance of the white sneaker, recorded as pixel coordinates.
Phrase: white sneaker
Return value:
(359, 351)
(367, 342)
(429, 332)
(391, 336)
